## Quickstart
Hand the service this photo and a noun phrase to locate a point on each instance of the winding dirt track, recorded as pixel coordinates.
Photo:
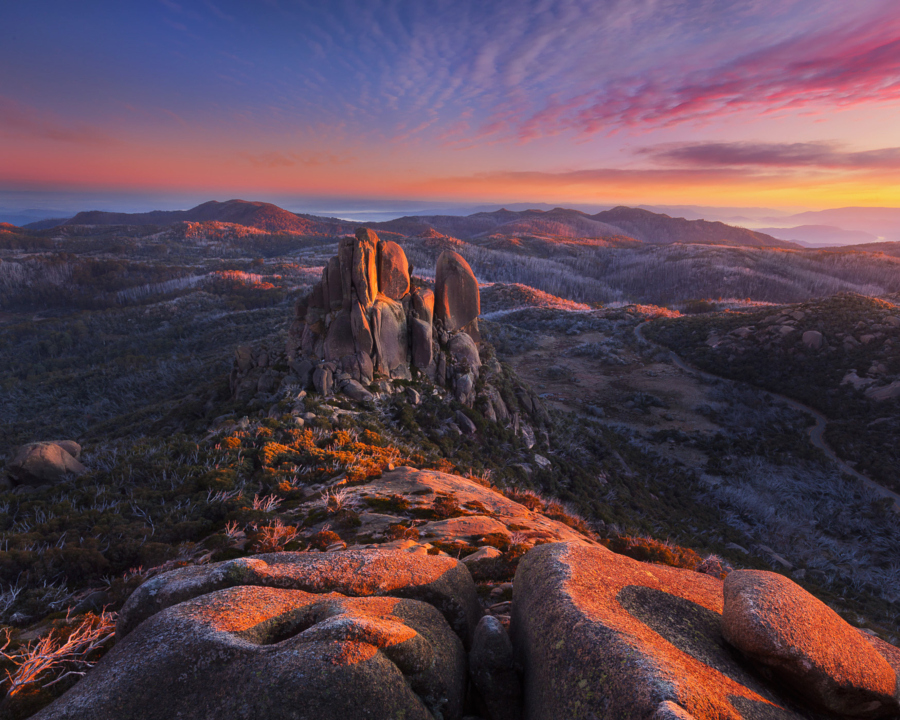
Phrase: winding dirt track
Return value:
(816, 432)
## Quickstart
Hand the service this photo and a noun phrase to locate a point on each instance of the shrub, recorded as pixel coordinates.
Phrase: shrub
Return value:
(274, 537)
(399, 531)
(324, 538)
(647, 549)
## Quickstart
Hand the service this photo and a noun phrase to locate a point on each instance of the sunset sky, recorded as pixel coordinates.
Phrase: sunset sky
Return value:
(779, 103)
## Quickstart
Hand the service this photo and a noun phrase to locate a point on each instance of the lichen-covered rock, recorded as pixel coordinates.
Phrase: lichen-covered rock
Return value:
(361, 329)
(440, 581)
(45, 462)
(393, 270)
(602, 635)
(807, 646)
(281, 654)
(457, 300)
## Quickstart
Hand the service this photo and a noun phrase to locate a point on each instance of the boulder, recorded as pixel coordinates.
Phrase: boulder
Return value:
(243, 357)
(465, 389)
(457, 300)
(263, 652)
(393, 270)
(345, 256)
(884, 392)
(484, 553)
(813, 339)
(323, 381)
(40, 463)
(492, 670)
(364, 271)
(464, 352)
(465, 424)
(389, 331)
(440, 581)
(806, 645)
(303, 370)
(422, 349)
(496, 400)
(362, 331)
(423, 304)
(355, 391)
(335, 289)
(339, 340)
(366, 368)
(600, 635)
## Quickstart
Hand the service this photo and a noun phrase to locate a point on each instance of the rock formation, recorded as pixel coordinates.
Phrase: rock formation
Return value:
(367, 318)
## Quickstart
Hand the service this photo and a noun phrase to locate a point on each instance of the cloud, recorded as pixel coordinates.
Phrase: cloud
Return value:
(24, 121)
(820, 155)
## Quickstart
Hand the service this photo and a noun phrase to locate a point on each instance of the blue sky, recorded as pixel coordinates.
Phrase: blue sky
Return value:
(757, 102)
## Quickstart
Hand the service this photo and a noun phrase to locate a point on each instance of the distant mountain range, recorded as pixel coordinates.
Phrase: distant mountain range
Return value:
(560, 223)
(817, 235)
(849, 225)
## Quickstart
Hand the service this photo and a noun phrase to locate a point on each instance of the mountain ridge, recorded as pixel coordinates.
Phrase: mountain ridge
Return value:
(558, 223)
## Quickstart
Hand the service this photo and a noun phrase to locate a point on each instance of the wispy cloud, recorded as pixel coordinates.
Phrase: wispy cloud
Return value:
(277, 159)
(823, 155)
(838, 68)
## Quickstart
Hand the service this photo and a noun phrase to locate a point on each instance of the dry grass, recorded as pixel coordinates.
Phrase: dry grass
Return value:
(62, 653)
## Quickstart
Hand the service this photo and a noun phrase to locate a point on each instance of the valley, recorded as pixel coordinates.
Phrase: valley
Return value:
(124, 338)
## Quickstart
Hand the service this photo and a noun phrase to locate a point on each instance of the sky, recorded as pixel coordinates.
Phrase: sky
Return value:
(775, 103)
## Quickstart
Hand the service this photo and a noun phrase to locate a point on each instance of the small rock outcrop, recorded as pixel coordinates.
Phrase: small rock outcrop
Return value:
(806, 645)
(42, 463)
(366, 317)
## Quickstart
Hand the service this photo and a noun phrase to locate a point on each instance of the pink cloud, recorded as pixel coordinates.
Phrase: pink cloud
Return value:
(822, 155)
(837, 68)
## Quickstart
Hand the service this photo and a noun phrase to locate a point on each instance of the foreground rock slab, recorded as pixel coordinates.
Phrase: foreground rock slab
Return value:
(262, 652)
(806, 645)
(602, 636)
(439, 581)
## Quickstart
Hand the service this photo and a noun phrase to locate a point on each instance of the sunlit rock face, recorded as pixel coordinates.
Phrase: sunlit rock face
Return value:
(366, 318)
(602, 635)
(265, 652)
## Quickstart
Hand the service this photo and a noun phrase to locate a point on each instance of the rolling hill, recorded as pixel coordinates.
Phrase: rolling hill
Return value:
(264, 216)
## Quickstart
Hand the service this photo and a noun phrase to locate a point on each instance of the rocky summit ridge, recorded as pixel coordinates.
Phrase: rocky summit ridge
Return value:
(423, 594)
